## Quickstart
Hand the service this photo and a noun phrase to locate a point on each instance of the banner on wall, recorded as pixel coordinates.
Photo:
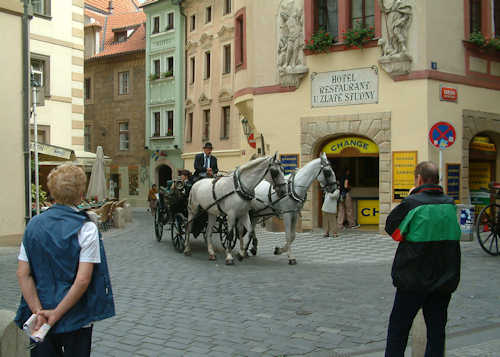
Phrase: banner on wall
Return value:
(290, 162)
(403, 173)
(351, 143)
(453, 181)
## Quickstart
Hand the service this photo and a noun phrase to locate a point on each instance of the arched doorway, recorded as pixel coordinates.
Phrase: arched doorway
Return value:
(164, 175)
(360, 156)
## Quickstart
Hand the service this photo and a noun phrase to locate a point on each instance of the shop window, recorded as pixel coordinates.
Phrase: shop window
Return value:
(40, 70)
(87, 139)
(208, 14)
(87, 89)
(170, 123)
(193, 67)
(226, 122)
(327, 17)
(189, 128)
(240, 40)
(156, 25)
(227, 7)
(227, 59)
(363, 12)
(170, 21)
(193, 22)
(41, 7)
(123, 82)
(206, 125)
(156, 123)
(124, 142)
(207, 65)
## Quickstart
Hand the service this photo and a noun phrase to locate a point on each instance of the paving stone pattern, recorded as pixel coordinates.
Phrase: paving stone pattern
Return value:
(335, 302)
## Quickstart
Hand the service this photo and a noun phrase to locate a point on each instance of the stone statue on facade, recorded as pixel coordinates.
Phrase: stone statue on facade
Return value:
(398, 15)
(291, 66)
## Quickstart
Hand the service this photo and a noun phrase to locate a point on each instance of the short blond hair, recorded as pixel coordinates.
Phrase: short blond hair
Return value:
(67, 184)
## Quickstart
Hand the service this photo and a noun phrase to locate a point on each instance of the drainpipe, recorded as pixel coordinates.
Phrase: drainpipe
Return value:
(27, 16)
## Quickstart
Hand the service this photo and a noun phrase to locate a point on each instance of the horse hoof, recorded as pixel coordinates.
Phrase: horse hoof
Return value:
(254, 251)
(277, 251)
(292, 262)
(240, 257)
(211, 257)
(229, 262)
(187, 253)
(246, 255)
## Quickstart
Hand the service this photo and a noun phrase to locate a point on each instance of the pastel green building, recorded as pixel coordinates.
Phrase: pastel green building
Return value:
(164, 88)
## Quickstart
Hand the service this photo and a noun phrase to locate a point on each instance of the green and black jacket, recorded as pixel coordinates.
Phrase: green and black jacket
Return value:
(428, 255)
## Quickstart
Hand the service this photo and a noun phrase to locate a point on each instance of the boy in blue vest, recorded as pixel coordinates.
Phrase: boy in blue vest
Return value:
(62, 271)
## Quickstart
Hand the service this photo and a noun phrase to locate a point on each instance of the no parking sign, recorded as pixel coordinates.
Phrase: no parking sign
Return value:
(442, 135)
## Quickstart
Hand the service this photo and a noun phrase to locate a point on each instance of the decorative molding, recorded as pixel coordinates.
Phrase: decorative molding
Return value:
(206, 40)
(225, 32)
(76, 140)
(204, 100)
(55, 98)
(189, 104)
(225, 95)
(55, 41)
(77, 109)
(77, 124)
(264, 90)
(191, 46)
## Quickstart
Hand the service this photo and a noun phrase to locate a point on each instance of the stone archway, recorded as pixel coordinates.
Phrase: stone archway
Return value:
(474, 122)
(375, 126)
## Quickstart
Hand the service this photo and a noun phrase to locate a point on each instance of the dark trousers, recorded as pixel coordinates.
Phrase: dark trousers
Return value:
(406, 306)
(70, 344)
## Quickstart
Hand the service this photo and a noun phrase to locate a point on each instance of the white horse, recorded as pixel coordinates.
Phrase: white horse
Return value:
(231, 196)
(268, 203)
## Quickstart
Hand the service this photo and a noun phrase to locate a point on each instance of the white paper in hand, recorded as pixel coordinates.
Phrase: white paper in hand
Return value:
(29, 329)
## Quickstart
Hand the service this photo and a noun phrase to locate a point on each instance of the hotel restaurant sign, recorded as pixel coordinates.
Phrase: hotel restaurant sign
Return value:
(353, 86)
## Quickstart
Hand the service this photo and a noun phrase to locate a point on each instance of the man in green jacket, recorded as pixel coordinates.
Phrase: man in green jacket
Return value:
(426, 267)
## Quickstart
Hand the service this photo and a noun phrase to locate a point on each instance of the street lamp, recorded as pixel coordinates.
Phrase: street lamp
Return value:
(247, 130)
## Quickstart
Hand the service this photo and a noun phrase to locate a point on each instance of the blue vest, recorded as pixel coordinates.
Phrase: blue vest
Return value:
(51, 243)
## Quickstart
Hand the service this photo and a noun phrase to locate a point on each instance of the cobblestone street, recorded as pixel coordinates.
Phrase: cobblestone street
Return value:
(335, 302)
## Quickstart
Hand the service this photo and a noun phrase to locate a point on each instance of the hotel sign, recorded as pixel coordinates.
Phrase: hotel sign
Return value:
(350, 87)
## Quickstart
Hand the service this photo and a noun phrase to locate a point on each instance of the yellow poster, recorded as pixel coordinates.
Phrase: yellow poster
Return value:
(403, 173)
(479, 175)
(368, 211)
(364, 146)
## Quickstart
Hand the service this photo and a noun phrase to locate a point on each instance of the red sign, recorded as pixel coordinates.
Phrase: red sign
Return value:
(251, 141)
(442, 135)
(448, 94)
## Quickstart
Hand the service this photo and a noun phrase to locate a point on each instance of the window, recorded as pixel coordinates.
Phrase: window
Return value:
(189, 126)
(496, 18)
(227, 7)
(208, 14)
(170, 21)
(363, 12)
(156, 123)
(156, 24)
(239, 41)
(156, 67)
(170, 66)
(193, 64)
(475, 16)
(226, 120)
(40, 68)
(207, 65)
(133, 180)
(193, 22)
(86, 136)
(43, 134)
(87, 89)
(123, 83)
(170, 123)
(206, 125)
(227, 59)
(123, 136)
(327, 17)
(41, 7)
(120, 36)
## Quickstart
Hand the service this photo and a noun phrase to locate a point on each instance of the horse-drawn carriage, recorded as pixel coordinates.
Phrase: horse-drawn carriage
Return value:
(488, 222)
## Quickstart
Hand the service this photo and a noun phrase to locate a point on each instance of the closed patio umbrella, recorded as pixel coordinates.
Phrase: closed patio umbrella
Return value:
(97, 182)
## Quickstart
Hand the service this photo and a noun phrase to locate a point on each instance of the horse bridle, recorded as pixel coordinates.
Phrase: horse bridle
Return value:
(326, 174)
(291, 184)
(244, 192)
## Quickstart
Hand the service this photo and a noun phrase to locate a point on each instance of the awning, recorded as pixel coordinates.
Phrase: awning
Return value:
(51, 153)
(85, 158)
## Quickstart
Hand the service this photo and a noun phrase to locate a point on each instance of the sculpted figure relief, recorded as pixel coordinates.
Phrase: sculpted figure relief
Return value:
(291, 43)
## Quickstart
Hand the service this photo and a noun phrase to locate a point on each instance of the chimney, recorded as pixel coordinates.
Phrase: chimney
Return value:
(110, 6)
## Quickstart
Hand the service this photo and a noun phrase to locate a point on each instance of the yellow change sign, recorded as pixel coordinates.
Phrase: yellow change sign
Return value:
(364, 146)
(368, 211)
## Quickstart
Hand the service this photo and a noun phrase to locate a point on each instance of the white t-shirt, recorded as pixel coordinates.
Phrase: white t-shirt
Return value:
(88, 238)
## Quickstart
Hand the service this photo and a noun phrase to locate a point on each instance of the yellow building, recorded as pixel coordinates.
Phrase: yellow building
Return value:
(210, 71)
(371, 106)
(11, 123)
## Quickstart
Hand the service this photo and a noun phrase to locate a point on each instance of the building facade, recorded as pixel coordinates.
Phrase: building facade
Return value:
(12, 211)
(371, 106)
(210, 114)
(164, 88)
(114, 94)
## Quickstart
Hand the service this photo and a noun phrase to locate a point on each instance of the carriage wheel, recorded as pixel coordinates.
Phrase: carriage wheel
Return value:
(178, 232)
(158, 224)
(488, 229)
(228, 239)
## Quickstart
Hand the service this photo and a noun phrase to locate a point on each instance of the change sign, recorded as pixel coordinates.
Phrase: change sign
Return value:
(354, 86)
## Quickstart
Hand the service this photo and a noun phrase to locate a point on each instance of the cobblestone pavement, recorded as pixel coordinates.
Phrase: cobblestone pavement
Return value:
(335, 302)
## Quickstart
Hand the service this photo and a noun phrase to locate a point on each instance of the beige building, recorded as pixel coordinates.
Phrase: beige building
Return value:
(372, 109)
(210, 71)
(11, 124)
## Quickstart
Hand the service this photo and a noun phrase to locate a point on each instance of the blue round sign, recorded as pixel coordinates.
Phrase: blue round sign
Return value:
(442, 135)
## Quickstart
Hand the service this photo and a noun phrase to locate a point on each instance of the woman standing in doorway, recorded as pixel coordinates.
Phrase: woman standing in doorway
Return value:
(345, 204)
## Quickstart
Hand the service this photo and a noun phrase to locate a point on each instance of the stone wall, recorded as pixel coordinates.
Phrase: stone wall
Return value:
(375, 126)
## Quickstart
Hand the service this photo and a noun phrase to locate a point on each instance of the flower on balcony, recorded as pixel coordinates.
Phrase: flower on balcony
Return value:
(170, 132)
(168, 74)
(480, 40)
(358, 35)
(154, 76)
(320, 41)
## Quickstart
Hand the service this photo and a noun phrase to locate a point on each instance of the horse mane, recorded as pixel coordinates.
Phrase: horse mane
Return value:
(253, 163)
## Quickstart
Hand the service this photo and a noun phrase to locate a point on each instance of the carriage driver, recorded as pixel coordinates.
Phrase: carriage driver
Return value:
(205, 164)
